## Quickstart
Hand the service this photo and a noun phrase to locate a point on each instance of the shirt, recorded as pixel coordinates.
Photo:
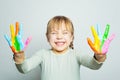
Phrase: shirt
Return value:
(58, 66)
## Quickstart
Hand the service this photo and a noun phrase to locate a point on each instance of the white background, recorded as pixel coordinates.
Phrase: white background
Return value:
(34, 15)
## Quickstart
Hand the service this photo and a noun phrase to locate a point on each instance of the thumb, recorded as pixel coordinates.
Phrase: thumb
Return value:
(92, 45)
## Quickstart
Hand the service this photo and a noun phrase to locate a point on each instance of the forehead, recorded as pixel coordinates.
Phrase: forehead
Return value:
(61, 26)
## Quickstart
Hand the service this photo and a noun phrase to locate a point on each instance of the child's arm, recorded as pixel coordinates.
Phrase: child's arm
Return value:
(24, 65)
(89, 61)
(16, 43)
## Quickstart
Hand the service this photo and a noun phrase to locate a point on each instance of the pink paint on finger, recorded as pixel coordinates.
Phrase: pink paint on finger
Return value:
(27, 42)
(107, 43)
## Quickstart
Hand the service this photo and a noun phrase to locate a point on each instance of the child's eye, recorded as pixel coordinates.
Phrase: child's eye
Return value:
(53, 32)
(66, 32)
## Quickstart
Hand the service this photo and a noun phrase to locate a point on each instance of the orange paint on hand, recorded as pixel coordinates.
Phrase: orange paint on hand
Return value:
(17, 28)
(13, 49)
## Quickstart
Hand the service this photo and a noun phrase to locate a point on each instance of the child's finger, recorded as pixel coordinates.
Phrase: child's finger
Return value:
(107, 43)
(20, 30)
(10, 44)
(96, 38)
(21, 44)
(92, 46)
(97, 43)
(27, 42)
(94, 33)
(12, 33)
(8, 40)
(17, 44)
(13, 49)
(99, 32)
(105, 35)
(111, 37)
(17, 28)
(106, 31)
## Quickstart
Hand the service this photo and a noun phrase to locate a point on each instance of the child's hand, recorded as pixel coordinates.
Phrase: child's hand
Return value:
(101, 42)
(16, 43)
(19, 57)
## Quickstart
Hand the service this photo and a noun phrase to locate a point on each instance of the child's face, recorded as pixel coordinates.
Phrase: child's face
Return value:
(60, 39)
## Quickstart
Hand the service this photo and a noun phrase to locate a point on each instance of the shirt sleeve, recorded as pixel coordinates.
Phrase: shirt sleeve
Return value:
(88, 61)
(30, 63)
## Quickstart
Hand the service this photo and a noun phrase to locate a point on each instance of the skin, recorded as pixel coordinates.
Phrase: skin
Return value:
(99, 55)
(16, 44)
(19, 57)
(60, 39)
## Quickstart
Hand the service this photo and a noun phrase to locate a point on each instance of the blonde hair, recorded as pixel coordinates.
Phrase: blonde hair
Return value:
(57, 22)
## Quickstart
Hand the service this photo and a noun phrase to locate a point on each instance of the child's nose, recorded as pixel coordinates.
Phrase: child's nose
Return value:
(59, 36)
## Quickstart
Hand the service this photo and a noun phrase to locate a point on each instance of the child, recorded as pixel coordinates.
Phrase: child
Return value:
(61, 62)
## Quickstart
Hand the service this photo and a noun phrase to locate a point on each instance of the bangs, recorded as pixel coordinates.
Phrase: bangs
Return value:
(57, 22)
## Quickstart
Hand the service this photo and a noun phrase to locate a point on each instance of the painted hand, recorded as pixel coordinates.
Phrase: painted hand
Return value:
(101, 42)
(16, 43)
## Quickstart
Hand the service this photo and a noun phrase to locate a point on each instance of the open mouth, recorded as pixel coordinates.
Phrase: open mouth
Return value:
(59, 43)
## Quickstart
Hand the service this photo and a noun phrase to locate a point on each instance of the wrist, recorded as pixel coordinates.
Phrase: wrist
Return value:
(100, 58)
(19, 57)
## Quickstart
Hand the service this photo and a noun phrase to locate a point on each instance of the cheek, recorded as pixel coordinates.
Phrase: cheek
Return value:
(69, 38)
(51, 38)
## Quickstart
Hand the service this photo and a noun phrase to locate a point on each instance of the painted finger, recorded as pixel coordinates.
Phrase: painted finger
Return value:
(27, 42)
(12, 33)
(8, 40)
(17, 44)
(92, 45)
(94, 33)
(13, 49)
(107, 43)
(21, 44)
(20, 33)
(17, 28)
(99, 31)
(96, 38)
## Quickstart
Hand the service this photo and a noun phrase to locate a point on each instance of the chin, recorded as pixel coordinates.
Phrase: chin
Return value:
(60, 49)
